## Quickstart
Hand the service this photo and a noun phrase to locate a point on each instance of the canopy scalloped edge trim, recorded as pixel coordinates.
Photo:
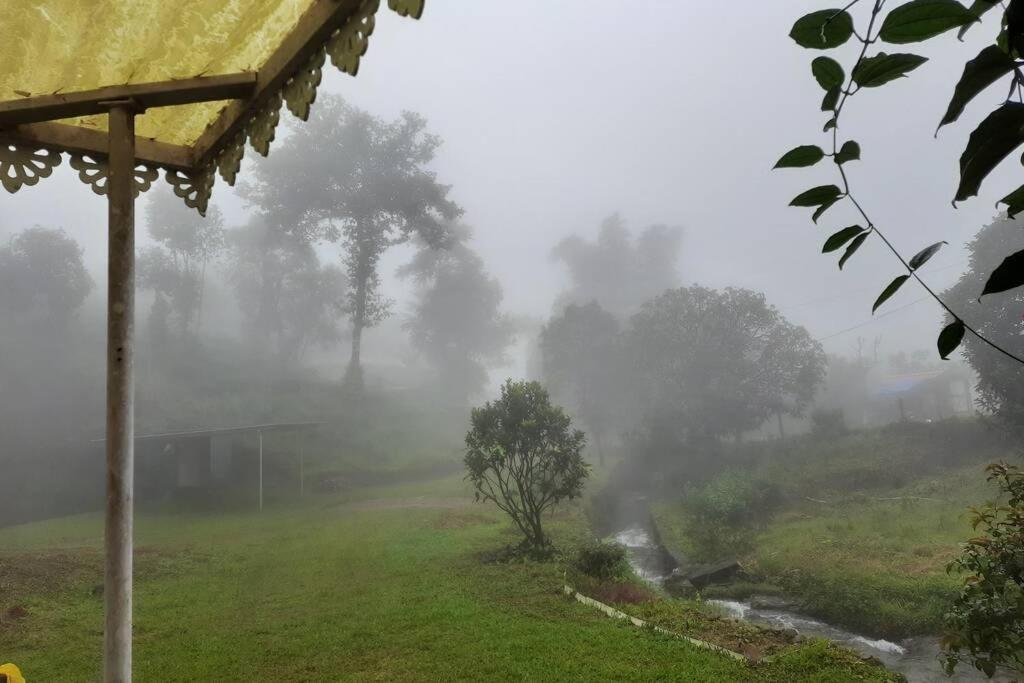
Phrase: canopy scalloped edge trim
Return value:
(24, 164)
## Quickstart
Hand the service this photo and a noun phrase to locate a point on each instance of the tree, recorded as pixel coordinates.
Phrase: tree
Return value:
(1000, 387)
(581, 361)
(992, 141)
(354, 178)
(522, 454)
(986, 624)
(175, 269)
(289, 301)
(457, 321)
(714, 363)
(42, 277)
(619, 271)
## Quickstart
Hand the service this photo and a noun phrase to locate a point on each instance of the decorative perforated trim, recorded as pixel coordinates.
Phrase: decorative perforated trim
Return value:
(93, 172)
(20, 165)
(194, 188)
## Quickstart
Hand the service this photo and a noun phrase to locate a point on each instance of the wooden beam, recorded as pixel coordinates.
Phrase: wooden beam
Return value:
(308, 36)
(64, 137)
(145, 96)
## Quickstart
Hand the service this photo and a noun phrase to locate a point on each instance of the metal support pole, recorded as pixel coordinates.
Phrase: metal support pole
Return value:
(259, 434)
(302, 474)
(117, 580)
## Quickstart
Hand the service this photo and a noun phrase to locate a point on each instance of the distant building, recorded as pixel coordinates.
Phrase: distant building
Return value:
(921, 396)
(209, 464)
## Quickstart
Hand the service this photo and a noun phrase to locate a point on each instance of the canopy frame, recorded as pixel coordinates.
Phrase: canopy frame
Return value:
(30, 128)
(120, 165)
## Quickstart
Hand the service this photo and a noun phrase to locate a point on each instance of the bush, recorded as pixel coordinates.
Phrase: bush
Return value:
(602, 561)
(828, 423)
(723, 513)
(986, 623)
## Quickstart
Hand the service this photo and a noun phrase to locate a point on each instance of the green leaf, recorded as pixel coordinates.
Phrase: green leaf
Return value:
(882, 68)
(830, 124)
(1009, 275)
(978, 8)
(923, 19)
(800, 157)
(889, 291)
(850, 151)
(1015, 27)
(1000, 133)
(816, 196)
(831, 99)
(852, 249)
(989, 66)
(828, 72)
(921, 257)
(1014, 202)
(950, 338)
(840, 238)
(823, 30)
(820, 211)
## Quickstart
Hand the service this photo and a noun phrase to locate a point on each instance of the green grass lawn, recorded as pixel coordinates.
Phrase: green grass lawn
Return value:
(382, 585)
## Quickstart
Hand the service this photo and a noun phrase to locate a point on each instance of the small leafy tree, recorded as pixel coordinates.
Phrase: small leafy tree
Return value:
(523, 454)
(986, 624)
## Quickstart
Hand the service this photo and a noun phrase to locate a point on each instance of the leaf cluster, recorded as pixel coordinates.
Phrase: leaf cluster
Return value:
(995, 137)
(986, 624)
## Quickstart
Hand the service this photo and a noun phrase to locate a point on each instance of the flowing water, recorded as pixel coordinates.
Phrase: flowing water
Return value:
(916, 658)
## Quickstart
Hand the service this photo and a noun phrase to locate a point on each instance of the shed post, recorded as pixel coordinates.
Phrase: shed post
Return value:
(117, 578)
(259, 435)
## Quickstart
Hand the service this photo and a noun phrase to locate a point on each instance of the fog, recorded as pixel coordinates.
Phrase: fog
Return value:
(601, 178)
(646, 118)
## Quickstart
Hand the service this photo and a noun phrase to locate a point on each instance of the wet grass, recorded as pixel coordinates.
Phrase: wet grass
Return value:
(329, 591)
(874, 562)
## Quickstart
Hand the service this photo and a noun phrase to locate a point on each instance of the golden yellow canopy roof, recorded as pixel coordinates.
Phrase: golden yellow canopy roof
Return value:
(54, 49)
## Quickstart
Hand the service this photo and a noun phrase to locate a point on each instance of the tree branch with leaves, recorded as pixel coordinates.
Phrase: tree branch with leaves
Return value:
(991, 142)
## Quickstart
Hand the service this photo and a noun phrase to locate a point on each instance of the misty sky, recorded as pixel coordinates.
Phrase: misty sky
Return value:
(557, 114)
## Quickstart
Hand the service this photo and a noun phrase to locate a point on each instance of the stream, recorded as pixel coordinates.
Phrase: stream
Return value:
(916, 658)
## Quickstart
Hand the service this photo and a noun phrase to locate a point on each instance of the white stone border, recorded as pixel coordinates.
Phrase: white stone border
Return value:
(640, 623)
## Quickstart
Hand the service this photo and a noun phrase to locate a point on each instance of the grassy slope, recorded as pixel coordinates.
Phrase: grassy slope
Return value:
(857, 559)
(327, 591)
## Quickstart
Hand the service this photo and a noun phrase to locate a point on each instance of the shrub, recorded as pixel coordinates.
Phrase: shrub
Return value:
(523, 454)
(722, 514)
(602, 561)
(986, 624)
(828, 423)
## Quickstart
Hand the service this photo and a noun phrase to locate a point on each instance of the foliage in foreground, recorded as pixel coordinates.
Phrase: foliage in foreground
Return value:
(522, 454)
(986, 624)
(993, 139)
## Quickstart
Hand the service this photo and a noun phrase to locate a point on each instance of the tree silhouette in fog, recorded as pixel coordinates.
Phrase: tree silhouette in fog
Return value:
(456, 321)
(617, 270)
(998, 316)
(714, 363)
(358, 180)
(175, 268)
(42, 277)
(582, 364)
